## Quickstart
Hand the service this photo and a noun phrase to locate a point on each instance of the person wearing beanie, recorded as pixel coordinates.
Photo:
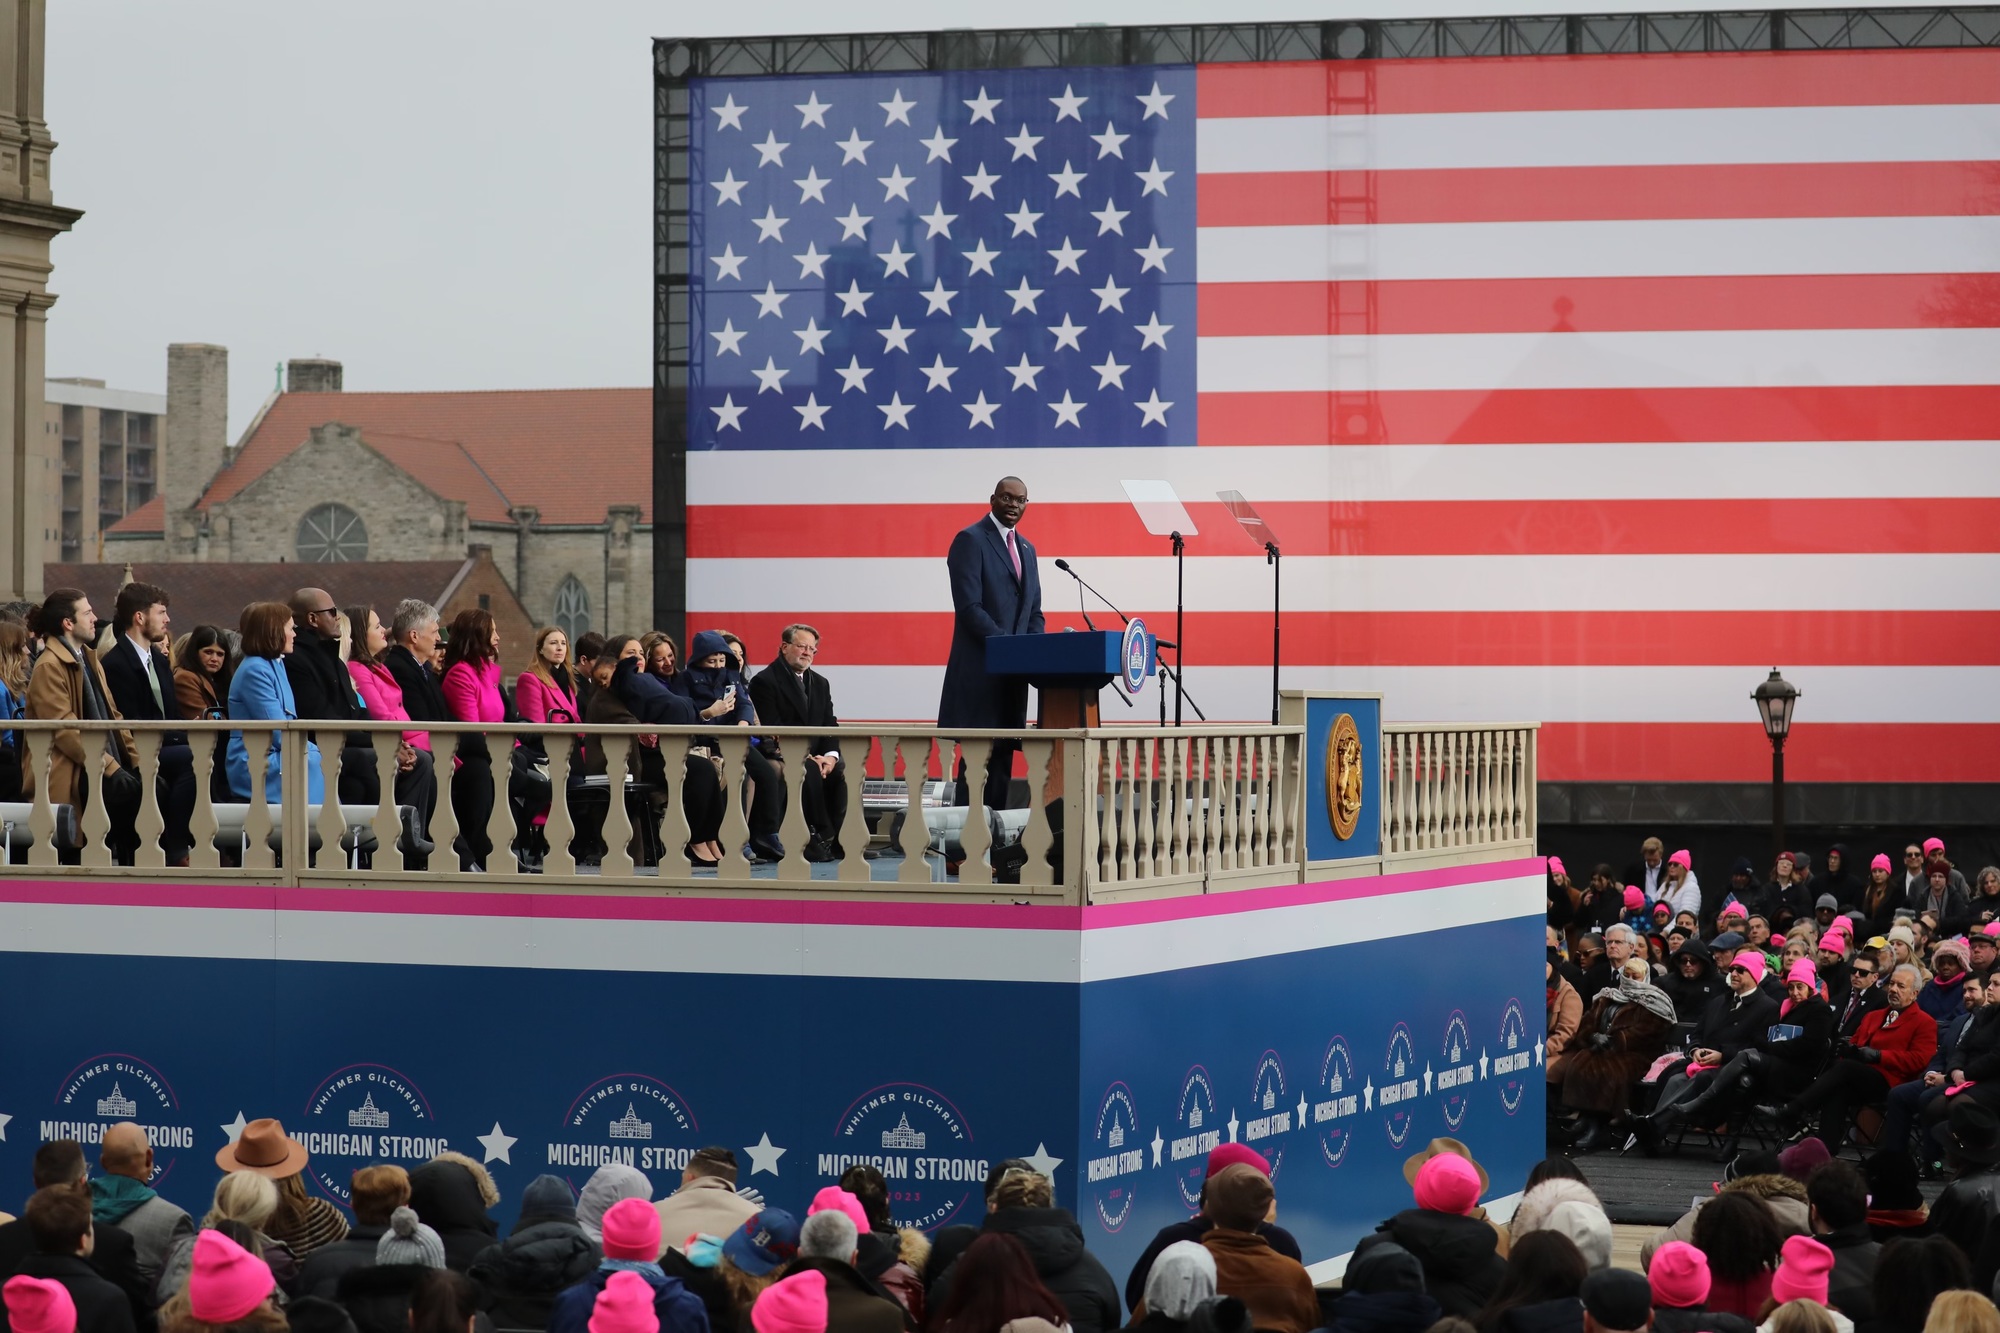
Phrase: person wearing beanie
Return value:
(1891, 1046)
(1275, 1289)
(1825, 908)
(1692, 980)
(408, 1242)
(631, 1231)
(1459, 1253)
(835, 1199)
(520, 1277)
(59, 1221)
(1679, 1279)
(706, 1203)
(1838, 1199)
(1023, 1206)
(1586, 1227)
(1682, 891)
(227, 1282)
(1616, 1300)
(1803, 1269)
(1183, 1277)
(452, 1193)
(378, 1296)
(1880, 897)
(1941, 996)
(1941, 893)
(624, 1306)
(1383, 1292)
(796, 1304)
(1194, 1228)
(607, 1185)
(374, 1192)
(38, 1305)
(1734, 1022)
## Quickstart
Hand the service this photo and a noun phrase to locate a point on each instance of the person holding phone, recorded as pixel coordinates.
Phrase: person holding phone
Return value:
(717, 689)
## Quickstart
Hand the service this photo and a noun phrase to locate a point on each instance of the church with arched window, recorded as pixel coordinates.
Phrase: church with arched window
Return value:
(556, 483)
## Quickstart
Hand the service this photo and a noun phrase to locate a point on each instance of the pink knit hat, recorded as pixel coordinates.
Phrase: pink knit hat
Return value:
(1235, 1154)
(1635, 897)
(1932, 846)
(1957, 948)
(1556, 865)
(227, 1281)
(1802, 970)
(1681, 859)
(39, 1305)
(795, 1305)
(1447, 1184)
(1882, 862)
(1993, 929)
(1731, 907)
(625, 1306)
(834, 1199)
(1751, 961)
(1679, 1276)
(632, 1231)
(1802, 1271)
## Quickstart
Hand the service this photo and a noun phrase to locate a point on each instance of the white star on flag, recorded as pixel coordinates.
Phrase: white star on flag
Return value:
(1067, 256)
(1110, 143)
(812, 111)
(1111, 374)
(768, 378)
(895, 185)
(1155, 102)
(1067, 334)
(728, 264)
(937, 146)
(937, 222)
(1153, 333)
(1023, 373)
(729, 117)
(896, 259)
(1043, 1162)
(1111, 218)
(811, 413)
(1155, 180)
(894, 335)
(938, 373)
(853, 301)
(812, 187)
(812, 338)
(1067, 180)
(812, 263)
(771, 153)
(895, 412)
(982, 333)
(1025, 297)
(1023, 143)
(980, 258)
(1069, 106)
(1154, 254)
(854, 148)
(1024, 221)
(498, 1145)
(982, 411)
(728, 190)
(899, 110)
(770, 301)
(729, 416)
(854, 375)
(1110, 297)
(1068, 412)
(854, 224)
(982, 107)
(770, 227)
(728, 339)
(937, 300)
(1153, 411)
(981, 182)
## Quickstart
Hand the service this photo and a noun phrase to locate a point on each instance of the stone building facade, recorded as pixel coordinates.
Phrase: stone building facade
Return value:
(30, 455)
(557, 483)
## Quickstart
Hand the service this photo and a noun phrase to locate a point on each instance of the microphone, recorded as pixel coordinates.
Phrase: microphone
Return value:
(1063, 565)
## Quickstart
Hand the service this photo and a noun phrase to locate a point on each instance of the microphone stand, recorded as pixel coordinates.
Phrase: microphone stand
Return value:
(1063, 565)
(1271, 559)
(1180, 630)
(1159, 657)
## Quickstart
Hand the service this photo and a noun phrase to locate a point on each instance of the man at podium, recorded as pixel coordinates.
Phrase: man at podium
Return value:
(995, 589)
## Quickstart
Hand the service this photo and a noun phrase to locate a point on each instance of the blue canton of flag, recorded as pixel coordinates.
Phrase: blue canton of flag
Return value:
(988, 259)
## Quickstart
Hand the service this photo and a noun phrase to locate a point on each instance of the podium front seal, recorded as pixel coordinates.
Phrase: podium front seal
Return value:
(1133, 654)
(1343, 776)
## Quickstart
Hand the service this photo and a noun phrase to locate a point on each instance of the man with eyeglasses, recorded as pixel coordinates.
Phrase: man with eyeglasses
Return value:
(322, 689)
(1864, 997)
(1721, 1054)
(1891, 1046)
(789, 693)
(1590, 962)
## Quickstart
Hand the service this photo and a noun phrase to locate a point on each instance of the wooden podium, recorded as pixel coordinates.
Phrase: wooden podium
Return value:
(1068, 670)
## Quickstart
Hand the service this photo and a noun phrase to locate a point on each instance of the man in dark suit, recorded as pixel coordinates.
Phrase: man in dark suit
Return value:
(141, 681)
(789, 693)
(413, 639)
(61, 1162)
(995, 589)
(59, 1220)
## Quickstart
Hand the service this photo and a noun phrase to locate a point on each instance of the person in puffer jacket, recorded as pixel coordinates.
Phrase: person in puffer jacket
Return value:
(1460, 1254)
(519, 1278)
(1023, 1207)
(1680, 1281)
(1383, 1292)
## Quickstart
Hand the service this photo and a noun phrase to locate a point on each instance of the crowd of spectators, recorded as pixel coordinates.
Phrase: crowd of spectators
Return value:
(307, 658)
(1790, 1243)
(1860, 1008)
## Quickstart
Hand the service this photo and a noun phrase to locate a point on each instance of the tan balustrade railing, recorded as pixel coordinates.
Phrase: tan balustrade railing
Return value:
(1114, 812)
(1458, 787)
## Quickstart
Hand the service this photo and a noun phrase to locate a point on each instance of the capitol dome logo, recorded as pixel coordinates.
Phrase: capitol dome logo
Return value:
(363, 1114)
(1194, 1136)
(110, 1089)
(1117, 1158)
(1516, 1056)
(1274, 1116)
(1402, 1084)
(633, 1119)
(1336, 1102)
(1459, 1070)
(916, 1137)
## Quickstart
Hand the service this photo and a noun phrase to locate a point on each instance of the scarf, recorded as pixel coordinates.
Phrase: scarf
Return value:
(115, 1198)
(643, 1267)
(1644, 994)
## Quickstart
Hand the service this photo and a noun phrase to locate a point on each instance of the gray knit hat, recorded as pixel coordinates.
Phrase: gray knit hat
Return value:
(408, 1241)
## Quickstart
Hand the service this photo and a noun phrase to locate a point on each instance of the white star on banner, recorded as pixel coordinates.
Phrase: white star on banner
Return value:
(770, 227)
(1069, 106)
(982, 107)
(771, 153)
(770, 301)
(1110, 296)
(854, 375)
(728, 339)
(1023, 143)
(1155, 179)
(728, 264)
(982, 411)
(937, 146)
(895, 185)
(854, 224)
(980, 258)
(1153, 333)
(894, 335)
(1110, 143)
(853, 301)
(1024, 221)
(899, 110)
(1302, 1096)
(497, 1145)
(896, 259)
(1111, 374)
(764, 1156)
(1067, 334)
(1042, 1162)
(812, 263)
(982, 333)
(769, 379)
(234, 1129)
(1067, 180)
(4, 1121)
(729, 117)
(1154, 254)
(1023, 373)
(937, 301)
(937, 222)
(812, 111)
(895, 412)
(1233, 1123)
(1154, 413)
(854, 148)
(1111, 217)
(812, 338)
(1158, 1143)
(811, 413)
(1155, 102)
(981, 182)
(1068, 412)
(938, 373)
(728, 190)
(1067, 256)
(813, 186)
(729, 415)
(1367, 1088)
(1025, 297)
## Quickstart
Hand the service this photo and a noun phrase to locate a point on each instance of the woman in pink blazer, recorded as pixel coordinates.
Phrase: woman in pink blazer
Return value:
(546, 692)
(471, 689)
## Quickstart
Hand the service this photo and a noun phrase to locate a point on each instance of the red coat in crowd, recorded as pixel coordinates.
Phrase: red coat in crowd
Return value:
(1907, 1045)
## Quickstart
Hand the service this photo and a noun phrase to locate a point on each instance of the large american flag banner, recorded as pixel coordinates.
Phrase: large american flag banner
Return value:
(1578, 389)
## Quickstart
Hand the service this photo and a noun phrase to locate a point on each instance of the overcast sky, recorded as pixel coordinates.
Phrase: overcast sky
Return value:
(440, 195)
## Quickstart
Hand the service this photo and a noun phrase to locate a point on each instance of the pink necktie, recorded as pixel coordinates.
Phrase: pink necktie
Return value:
(1013, 553)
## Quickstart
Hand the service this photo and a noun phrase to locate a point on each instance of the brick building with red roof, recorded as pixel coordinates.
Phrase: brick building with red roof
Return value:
(557, 482)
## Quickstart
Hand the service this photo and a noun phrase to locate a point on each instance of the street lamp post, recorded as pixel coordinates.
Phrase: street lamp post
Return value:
(1775, 700)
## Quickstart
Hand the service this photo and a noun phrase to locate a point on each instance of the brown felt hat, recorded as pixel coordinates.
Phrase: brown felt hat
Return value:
(265, 1148)
(1436, 1146)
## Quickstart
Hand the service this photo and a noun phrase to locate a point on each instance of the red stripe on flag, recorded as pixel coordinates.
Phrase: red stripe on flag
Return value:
(1602, 416)
(1598, 83)
(1564, 194)
(1389, 527)
(1871, 752)
(1444, 638)
(1532, 305)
